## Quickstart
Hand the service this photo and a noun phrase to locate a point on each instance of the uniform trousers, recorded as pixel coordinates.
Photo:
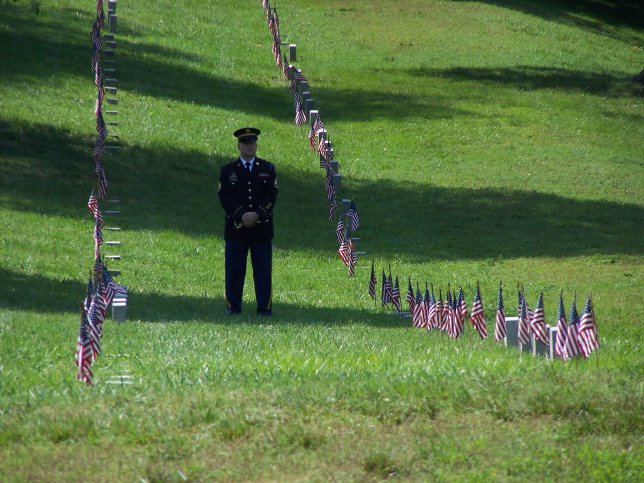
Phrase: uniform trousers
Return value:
(261, 257)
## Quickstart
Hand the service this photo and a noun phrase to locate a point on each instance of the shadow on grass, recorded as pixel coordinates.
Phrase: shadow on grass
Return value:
(46, 171)
(590, 15)
(537, 77)
(45, 295)
(63, 42)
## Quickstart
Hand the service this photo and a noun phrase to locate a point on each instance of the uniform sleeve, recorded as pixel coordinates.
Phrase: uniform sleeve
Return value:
(266, 205)
(228, 197)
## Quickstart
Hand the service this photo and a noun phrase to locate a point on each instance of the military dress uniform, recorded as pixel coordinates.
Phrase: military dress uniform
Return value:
(241, 191)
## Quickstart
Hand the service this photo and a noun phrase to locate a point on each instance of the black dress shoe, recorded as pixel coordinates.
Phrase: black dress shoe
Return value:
(232, 312)
(265, 312)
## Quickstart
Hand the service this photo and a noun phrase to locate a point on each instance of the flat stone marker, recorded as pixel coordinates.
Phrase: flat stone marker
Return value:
(292, 52)
(123, 379)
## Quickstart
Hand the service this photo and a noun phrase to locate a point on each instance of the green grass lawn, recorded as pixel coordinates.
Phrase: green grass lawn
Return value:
(490, 141)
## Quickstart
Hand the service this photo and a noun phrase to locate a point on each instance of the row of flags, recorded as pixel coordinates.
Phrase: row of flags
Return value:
(101, 128)
(575, 336)
(320, 143)
(101, 290)
(101, 287)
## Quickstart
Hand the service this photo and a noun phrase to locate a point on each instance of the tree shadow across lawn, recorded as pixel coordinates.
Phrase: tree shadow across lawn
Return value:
(592, 15)
(528, 77)
(48, 171)
(38, 293)
(56, 45)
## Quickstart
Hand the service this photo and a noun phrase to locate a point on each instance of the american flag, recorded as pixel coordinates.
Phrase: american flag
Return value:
(100, 14)
(478, 314)
(438, 317)
(448, 314)
(411, 300)
(95, 330)
(322, 136)
(587, 332)
(276, 49)
(417, 313)
(538, 322)
(316, 126)
(111, 287)
(457, 314)
(325, 154)
(384, 295)
(332, 207)
(395, 296)
(431, 312)
(499, 327)
(572, 336)
(390, 288)
(426, 307)
(352, 215)
(98, 237)
(340, 232)
(102, 180)
(462, 306)
(328, 185)
(83, 357)
(286, 68)
(354, 258)
(88, 293)
(95, 35)
(92, 206)
(279, 61)
(524, 321)
(345, 251)
(562, 328)
(300, 116)
(372, 281)
(98, 78)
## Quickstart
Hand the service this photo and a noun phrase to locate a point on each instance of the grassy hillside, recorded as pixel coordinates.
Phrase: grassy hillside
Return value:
(491, 140)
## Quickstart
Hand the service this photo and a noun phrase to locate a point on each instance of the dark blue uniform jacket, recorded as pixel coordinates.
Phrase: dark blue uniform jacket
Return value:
(240, 192)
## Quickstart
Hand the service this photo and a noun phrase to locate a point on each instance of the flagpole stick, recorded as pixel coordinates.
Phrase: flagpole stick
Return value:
(592, 309)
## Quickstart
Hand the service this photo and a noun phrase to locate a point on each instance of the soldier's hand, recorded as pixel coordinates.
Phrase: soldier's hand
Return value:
(249, 219)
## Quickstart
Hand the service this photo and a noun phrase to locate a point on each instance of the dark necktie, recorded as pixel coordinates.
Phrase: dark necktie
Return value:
(248, 166)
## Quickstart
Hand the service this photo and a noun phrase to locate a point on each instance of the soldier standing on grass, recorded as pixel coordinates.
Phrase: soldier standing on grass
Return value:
(247, 191)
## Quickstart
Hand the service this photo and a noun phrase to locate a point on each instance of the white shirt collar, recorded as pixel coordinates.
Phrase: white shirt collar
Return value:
(251, 161)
